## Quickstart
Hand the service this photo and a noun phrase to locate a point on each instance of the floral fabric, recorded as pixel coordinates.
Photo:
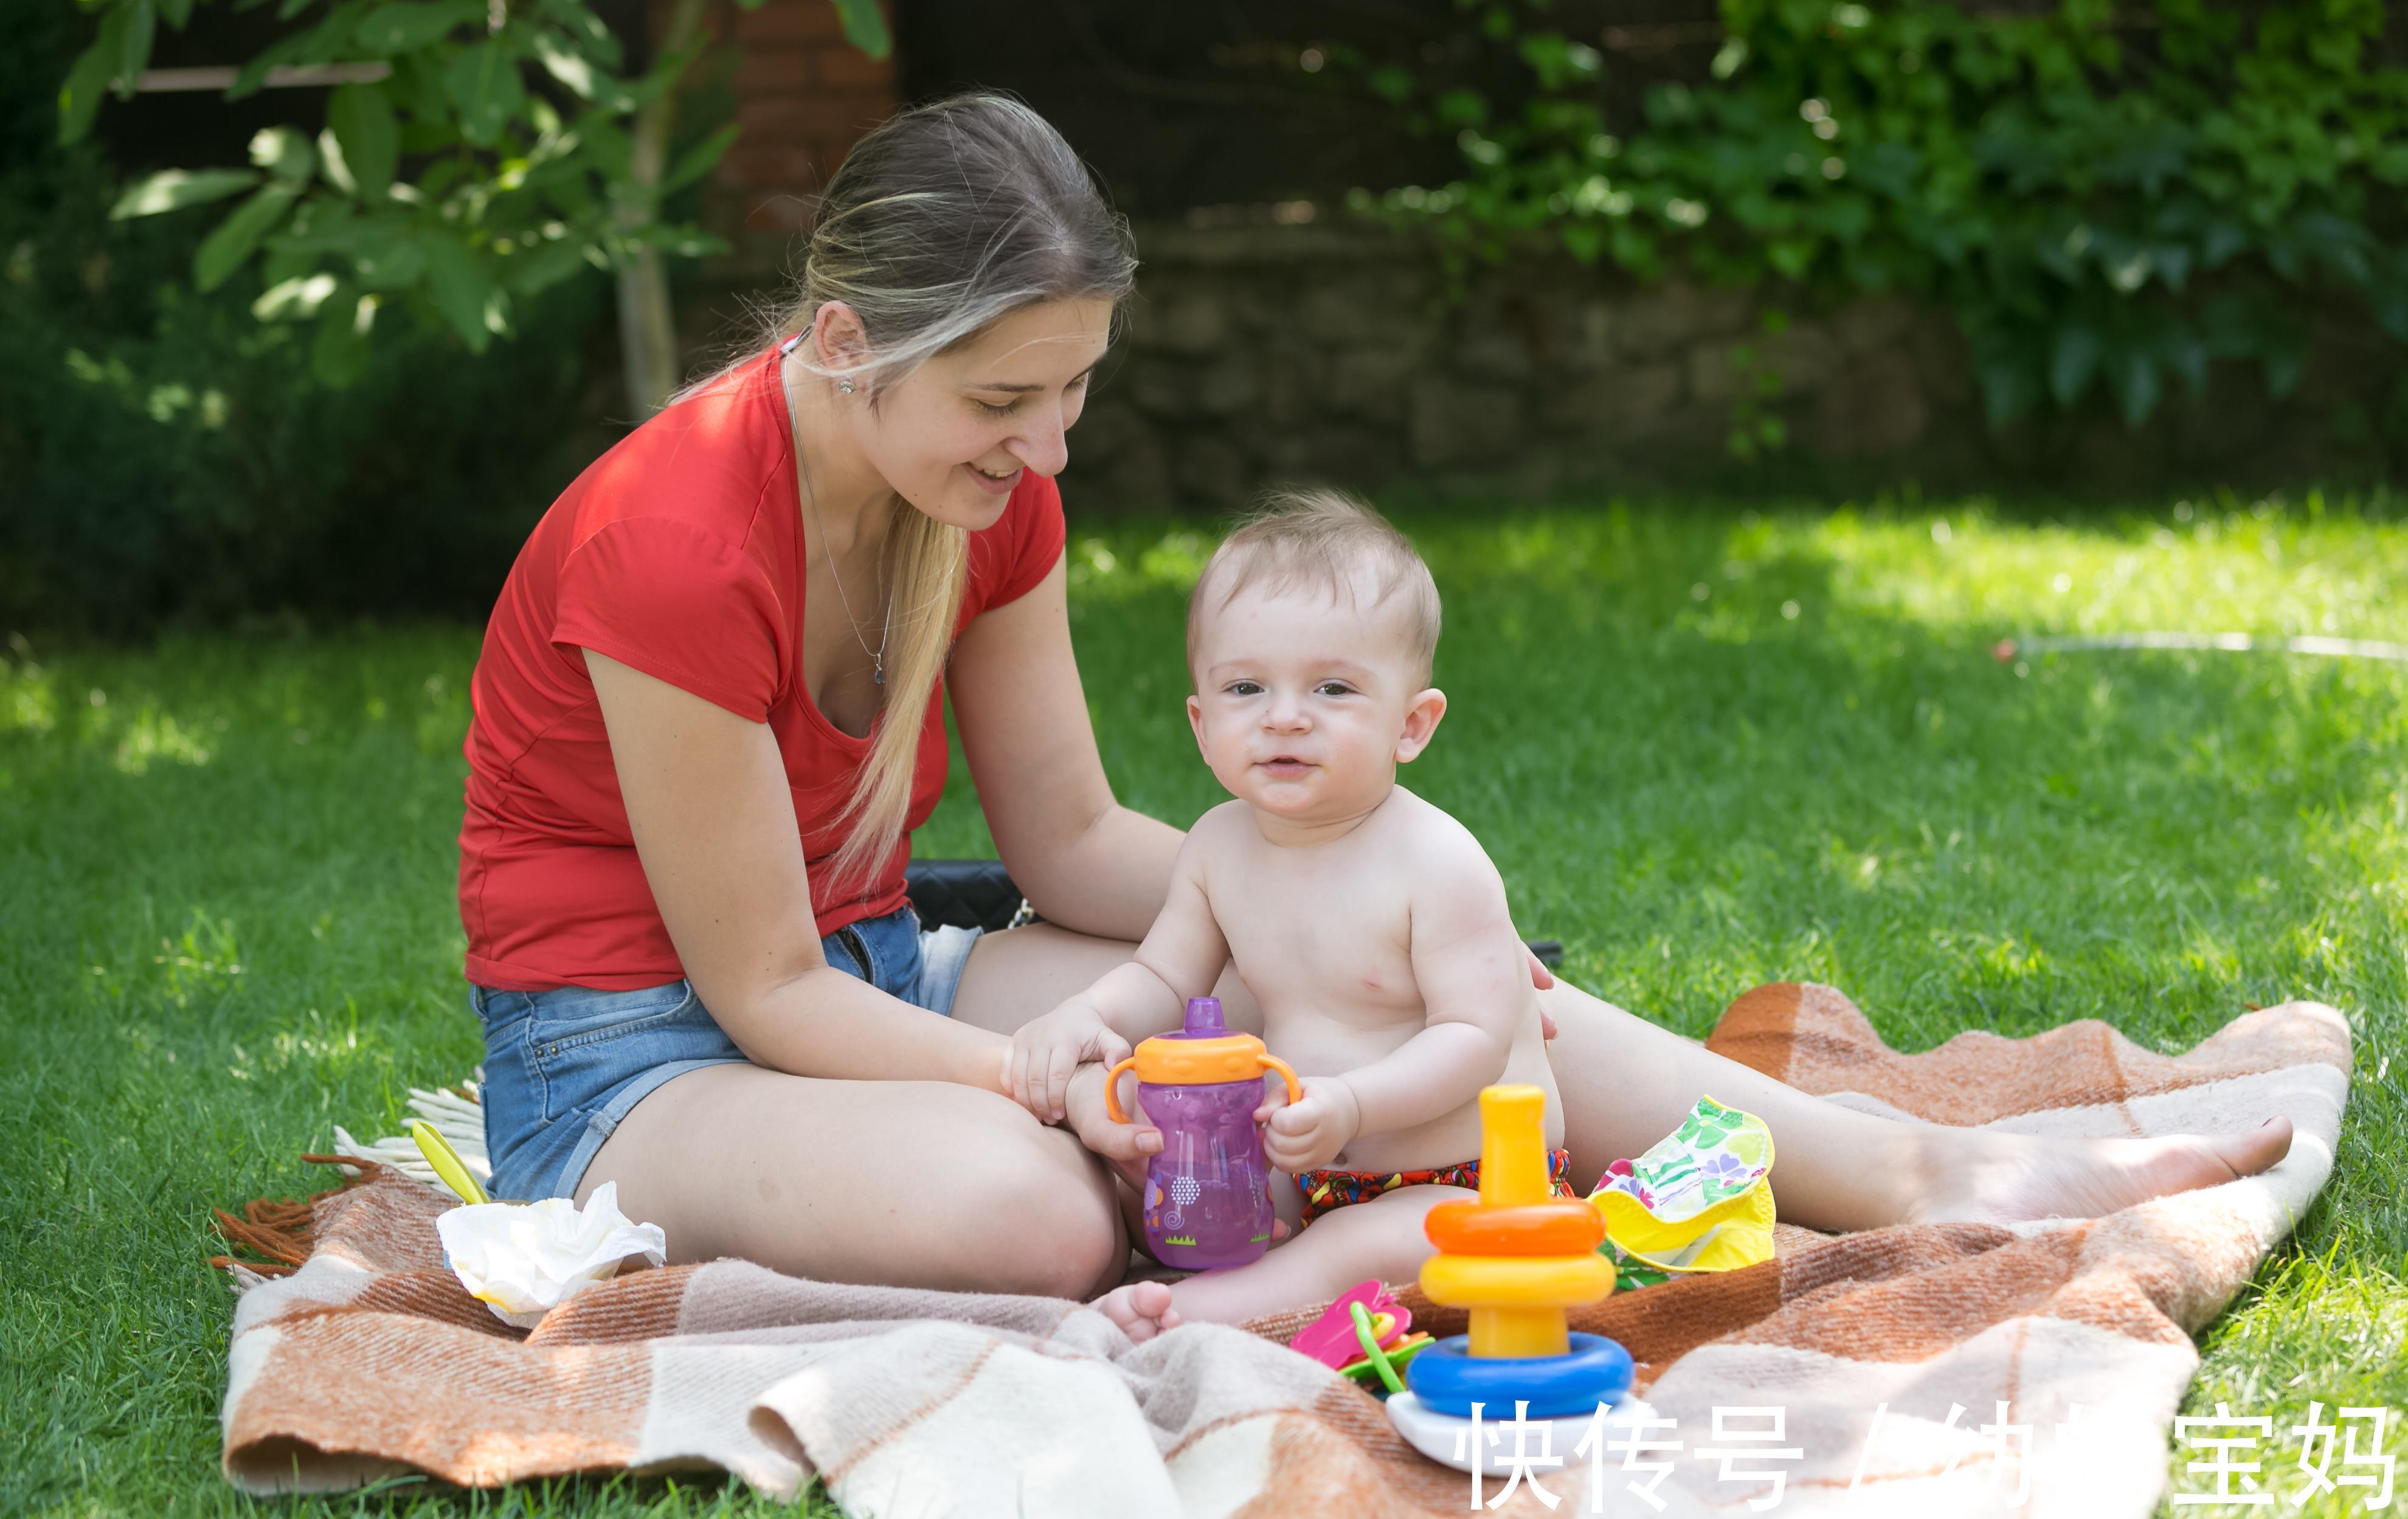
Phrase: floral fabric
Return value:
(1324, 1190)
(1697, 1200)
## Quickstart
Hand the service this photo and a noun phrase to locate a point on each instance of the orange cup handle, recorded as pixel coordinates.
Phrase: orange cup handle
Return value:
(1295, 1092)
(1112, 1088)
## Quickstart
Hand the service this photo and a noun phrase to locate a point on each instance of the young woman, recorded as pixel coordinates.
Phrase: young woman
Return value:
(707, 718)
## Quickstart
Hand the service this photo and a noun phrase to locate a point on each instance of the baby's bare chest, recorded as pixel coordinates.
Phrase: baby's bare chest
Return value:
(1332, 949)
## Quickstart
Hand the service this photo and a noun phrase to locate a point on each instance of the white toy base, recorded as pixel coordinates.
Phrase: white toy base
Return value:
(1447, 1440)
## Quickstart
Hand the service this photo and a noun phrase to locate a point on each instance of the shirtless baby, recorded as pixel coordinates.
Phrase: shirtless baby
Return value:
(1369, 925)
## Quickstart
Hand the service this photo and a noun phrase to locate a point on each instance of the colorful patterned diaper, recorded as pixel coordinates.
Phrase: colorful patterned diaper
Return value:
(1328, 1189)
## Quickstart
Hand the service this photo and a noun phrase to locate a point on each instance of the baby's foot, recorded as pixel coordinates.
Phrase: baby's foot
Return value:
(2091, 1178)
(1142, 1308)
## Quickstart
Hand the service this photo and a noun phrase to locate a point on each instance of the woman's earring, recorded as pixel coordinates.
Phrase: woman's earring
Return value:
(844, 387)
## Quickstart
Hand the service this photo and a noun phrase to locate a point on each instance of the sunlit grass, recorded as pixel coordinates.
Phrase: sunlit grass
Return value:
(1708, 747)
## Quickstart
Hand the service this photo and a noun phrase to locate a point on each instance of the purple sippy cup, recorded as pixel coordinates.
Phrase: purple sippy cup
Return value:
(1208, 1196)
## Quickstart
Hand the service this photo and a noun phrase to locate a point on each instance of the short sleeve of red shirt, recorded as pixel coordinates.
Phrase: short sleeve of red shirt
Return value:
(679, 604)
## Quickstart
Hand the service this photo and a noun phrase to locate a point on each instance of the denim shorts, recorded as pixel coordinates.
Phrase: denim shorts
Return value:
(563, 1067)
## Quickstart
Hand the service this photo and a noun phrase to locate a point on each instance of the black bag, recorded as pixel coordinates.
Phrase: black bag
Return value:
(978, 893)
(964, 894)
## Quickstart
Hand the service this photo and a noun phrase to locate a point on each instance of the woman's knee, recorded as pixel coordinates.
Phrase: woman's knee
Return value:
(1055, 1225)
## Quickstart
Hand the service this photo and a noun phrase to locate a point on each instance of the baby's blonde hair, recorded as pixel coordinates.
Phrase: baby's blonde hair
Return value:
(1320, 539)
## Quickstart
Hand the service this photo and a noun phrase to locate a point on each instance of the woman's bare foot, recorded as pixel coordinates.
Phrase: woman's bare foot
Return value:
(1142, 1308)
(2027, 1177)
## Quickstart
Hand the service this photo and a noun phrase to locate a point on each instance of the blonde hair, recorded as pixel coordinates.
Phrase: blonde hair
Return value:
(1321, 540)
(944, 219)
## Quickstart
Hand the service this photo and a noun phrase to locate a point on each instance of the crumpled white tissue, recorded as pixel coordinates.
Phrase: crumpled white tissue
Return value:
(523, 1259)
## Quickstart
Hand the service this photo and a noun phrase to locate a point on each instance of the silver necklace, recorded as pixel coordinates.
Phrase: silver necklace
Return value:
(836, 562)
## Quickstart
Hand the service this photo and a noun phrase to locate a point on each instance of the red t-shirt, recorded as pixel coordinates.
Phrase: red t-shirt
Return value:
(680, 553)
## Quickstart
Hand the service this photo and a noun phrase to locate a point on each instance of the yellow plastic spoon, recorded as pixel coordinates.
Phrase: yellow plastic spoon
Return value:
(447, 1162)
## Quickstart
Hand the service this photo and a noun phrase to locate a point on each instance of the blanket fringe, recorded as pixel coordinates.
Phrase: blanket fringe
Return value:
(278, 1228)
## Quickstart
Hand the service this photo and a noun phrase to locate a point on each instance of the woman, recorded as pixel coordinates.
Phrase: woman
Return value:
(681, 868)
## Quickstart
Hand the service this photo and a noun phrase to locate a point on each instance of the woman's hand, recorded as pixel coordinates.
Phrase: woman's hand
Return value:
(1049, 1050)
(1542, 977)
(1124, 1147)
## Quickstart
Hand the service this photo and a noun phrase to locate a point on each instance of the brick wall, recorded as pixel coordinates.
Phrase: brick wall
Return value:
(804, 95)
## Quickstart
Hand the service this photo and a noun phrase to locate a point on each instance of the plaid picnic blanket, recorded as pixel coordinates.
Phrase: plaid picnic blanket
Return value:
(1941, 1368)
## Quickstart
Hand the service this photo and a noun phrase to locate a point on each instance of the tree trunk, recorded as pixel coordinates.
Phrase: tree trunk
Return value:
(648, 341)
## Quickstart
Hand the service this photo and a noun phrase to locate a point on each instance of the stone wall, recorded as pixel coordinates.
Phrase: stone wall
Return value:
(1268, 353)
(1276, 348)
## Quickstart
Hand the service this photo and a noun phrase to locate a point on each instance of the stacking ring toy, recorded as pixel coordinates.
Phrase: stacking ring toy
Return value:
(1596, 1370)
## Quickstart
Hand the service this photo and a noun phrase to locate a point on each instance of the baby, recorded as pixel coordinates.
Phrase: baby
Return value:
(1369, 925)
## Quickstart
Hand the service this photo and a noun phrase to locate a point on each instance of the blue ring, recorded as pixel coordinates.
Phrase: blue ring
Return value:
(1448, 1378)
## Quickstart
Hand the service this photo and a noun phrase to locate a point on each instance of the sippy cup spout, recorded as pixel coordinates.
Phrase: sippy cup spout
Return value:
(1202, 1053)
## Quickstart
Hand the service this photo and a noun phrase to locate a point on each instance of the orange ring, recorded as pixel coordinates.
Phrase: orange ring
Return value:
(1564, 1227)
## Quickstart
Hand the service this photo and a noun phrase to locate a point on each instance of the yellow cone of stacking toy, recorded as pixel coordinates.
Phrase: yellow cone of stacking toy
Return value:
(1516, 1301)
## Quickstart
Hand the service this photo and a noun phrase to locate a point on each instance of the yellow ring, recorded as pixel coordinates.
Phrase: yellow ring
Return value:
(1517, 1280)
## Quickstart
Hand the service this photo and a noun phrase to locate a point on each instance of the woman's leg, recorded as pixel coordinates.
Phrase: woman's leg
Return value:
(899, 1184)
(1627, 1082)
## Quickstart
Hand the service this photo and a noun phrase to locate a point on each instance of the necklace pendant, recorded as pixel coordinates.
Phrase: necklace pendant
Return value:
(878, 674)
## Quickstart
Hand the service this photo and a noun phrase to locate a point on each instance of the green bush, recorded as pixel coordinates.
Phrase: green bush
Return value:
(2105, 197)
(169, 458)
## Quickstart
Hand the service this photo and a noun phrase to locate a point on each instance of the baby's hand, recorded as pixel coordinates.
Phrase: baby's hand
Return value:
(1047, 1049)
(1310, 1132)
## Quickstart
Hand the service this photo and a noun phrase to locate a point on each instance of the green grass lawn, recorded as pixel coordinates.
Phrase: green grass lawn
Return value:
(1708, 747)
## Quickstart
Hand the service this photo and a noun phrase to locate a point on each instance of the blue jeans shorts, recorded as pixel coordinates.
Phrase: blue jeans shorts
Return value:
(563, 1067)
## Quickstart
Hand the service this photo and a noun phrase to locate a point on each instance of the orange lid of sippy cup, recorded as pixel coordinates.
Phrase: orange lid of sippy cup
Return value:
(1199, 1055)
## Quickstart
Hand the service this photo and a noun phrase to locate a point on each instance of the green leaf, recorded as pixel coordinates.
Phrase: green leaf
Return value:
(698, 160)
(172, 190)
(579, 21)
(2071, 362)
(285, 153)
(223, 249)
(2008, 388)
(2186, 355)
(339, 353)
(865, 26)
(328, 41)
(2138, 384)
(573, 69)
(134, 42)
(408, 26)
(296, 299)
(461, 291)
(362, 120)
(1584, 240)
(548, 265)
(330, 159)
(484, 85)
(2283, 368)
(79, 97)
(175, 12)
(392, 262)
